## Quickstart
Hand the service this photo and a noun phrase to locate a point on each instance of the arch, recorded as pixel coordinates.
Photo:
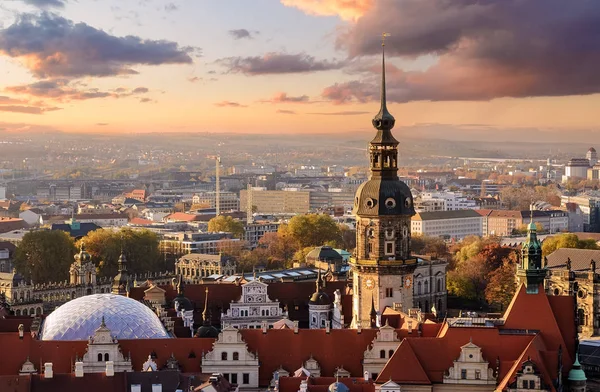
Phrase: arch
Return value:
(390, 353)
(102, 290)
(580, 317)
(382, 354)
(426, 286)
(99, 357)
(224, 356)
(17, 312)
(418, 288)
(236, 356)
(25, 312)
(106, 357)
(38, 311)
(439, 285)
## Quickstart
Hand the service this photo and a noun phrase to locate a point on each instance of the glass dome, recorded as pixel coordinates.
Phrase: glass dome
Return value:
(125, 317)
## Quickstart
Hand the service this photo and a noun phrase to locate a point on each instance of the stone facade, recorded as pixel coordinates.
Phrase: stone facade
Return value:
(380, 351)
(104, 348)
(195, 266)
(253, 308)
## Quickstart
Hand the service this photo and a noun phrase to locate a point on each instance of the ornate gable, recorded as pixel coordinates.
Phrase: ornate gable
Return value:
(470, 368)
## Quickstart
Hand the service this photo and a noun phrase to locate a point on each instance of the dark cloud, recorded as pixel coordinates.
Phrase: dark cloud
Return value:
(281, 111)
(53, 46)
(46, 3)
(64, 90)
(277, 63)
(146, 100)
(241, 33)
(486, 49)
(194, 79)
(230, 104)
(343, 113)
(284, 98)
(26, 109)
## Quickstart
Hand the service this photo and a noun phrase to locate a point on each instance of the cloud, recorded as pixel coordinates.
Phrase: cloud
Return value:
(101, 124)
(146, 100)
(64, 90)
(27, 109)
(484, 49)
(171, 7)
(342, 113)
(282, 111)
(52, 46)
(8, 100)
(230, 104)
(46, 3)
(194, 79)
(241, 33)
(277, 63)
(284, 98)
(345, 9)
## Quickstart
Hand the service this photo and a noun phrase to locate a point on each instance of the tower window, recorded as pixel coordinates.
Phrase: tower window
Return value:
(382, 354)
(389, 248)
(106, 357)
(224, 356)
(463, 374)
(389, 292)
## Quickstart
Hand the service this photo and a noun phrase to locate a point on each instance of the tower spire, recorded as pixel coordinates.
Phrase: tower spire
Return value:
(383, 120)
(205, 307)
(383, 92)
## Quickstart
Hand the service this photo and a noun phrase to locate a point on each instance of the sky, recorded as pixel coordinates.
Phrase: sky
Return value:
(297, 66)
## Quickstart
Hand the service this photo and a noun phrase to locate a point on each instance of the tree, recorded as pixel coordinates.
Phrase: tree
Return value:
(227, 224)
(566, 240)
(139, 246)
(428, 245)
(501, 284)
(45, 256)
(313, 230)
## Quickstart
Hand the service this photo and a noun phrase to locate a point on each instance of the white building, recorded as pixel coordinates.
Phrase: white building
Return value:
(380, 351)
(253, 309)
(470, 368)
(447, 224)
(451, 201)
(230, 357)
(103, 352)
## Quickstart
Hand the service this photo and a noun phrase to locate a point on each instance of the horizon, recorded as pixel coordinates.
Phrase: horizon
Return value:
(302, 66)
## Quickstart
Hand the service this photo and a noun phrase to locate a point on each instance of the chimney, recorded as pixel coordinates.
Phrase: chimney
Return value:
(48, 370)
(264, 327)
(358, 327)
(110, 368)
(303, 386)
(409, 326)
(156, 387)
(78, 369)
(327, 326)
(296, 326)
(342, 320)
(366, 375)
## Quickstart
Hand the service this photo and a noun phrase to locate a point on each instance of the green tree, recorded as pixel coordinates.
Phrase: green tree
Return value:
(45, 256)
(313, 230)
(139, 246)
(566, 240)
(227, 224)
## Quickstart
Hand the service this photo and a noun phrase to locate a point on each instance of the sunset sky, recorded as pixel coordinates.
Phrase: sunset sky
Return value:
(296, 66)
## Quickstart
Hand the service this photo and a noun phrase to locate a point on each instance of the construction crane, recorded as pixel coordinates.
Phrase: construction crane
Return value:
(249, 216)
(218, 186)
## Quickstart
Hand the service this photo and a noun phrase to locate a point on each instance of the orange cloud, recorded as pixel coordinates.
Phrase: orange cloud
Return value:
(345, 9)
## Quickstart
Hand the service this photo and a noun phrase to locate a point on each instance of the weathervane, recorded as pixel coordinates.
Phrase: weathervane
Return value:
(383, 36)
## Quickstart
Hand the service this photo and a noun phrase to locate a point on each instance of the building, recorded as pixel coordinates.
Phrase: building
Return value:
(177, 244)
(448, 224)
(592, 156)
(254, 231)
(382, 269)
(194, 267)
(254, 309)
(576, 168)
(228, 201)
(586, 205)
(429, 288)
(573, 272)
(509, 222)
(276, 202)
(450, 201)
(11, 224)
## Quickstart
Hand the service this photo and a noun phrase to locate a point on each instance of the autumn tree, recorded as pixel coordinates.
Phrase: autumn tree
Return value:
(428, 245)
(501, 284)
(141, 248)
(566, 240)
(227, 224)
(45, 256)
(313, 230)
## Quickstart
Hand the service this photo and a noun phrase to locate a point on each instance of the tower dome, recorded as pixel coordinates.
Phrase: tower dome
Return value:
(338, 387)
(125, 317)
(82, 257)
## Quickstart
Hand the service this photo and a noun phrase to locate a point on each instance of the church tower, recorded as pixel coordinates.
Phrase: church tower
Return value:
(530, 270)
(121, 280)
(382, 267)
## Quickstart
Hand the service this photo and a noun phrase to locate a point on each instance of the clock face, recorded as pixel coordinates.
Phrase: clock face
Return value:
(369, 284)
(408, 282)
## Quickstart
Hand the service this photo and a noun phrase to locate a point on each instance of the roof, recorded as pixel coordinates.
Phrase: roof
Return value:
(10, 224)
(437, 215)
(182, 217)
(84, 228)
(91, 382)
(580, 258)
(404, 366)
(141, 221)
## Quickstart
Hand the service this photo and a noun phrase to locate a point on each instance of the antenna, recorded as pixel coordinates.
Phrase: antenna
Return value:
(383, 37)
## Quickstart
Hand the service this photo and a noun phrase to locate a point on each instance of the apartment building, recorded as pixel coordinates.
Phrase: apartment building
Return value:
(447, 224)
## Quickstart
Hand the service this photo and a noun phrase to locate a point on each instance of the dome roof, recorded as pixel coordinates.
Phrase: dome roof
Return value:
(207, 331)
(324, 253)
(182, 303)
(338, 387)
(125, 317)
(320, 298)
(378, 197)
(592, 149)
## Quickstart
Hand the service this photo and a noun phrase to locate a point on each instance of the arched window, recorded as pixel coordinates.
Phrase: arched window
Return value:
(426, 287)
(419, 288)
(439, 285)
(236, 356)
(106, 357)
(99, 357)
(390, 353)
(25, 312)
(224, 356)
(382, 354)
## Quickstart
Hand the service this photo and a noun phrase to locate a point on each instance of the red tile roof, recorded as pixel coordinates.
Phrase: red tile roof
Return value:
(404, 366)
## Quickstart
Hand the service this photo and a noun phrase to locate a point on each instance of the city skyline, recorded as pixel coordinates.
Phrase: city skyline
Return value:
(296, 66)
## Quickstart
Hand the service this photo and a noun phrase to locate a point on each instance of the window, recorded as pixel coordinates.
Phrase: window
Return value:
(389, 292)
(234, 378)
(374, 376)
(525, 384)
(224, 356)
(382, 354)
(477, 374)
(426, 287)
(106, 357)
(463, 374)
(391, 352)
(99, 357)
(389, 248)
(439, 285)
(226, 376)
(419, 288)
(236, 356)
(531, 384)
(245, 378)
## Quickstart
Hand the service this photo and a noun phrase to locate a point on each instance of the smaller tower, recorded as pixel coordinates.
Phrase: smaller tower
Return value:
(530, 270)
(120, 282)
(319, 306)
(577, 379)
(592, 156)
(206, 330)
